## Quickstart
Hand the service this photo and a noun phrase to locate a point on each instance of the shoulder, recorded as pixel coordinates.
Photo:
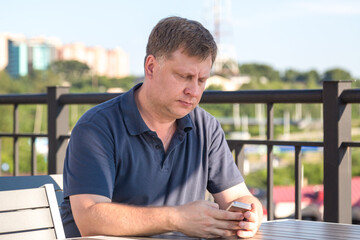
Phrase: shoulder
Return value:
(104, 111)
(99, 123)
(202, 118)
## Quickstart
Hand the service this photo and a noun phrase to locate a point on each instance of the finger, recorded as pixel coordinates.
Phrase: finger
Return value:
(224, 233)
(246, 234)
(249, 226)
(228, 225)
(211, 204)
(250, 216)
(227, 215)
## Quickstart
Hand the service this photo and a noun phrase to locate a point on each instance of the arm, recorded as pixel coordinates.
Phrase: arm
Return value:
(250, 225)
(97, 215)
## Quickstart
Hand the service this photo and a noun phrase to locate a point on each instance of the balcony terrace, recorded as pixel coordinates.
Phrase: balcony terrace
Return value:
(336, 98)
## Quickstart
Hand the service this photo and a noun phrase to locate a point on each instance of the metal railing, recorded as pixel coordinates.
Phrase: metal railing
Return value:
(336, 97)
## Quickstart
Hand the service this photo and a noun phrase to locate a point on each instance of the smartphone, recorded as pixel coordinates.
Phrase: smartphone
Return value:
(239, 207)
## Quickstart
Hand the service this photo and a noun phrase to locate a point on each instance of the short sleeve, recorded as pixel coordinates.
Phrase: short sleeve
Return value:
(89, 166)
(223, 172)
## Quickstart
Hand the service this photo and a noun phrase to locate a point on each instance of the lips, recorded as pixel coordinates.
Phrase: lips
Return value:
(185, 103)
(189, 103)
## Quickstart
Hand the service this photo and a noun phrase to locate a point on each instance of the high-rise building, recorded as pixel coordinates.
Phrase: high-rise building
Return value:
(74, 51)
(18, 58)
(3, 51)
(111, 63)
(41, 53)
(101, 61)
(39, 57)
(118, 63)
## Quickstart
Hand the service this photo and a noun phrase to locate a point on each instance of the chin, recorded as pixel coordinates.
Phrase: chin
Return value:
(184, 113)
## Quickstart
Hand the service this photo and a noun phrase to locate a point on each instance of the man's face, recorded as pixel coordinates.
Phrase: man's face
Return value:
(177, 83)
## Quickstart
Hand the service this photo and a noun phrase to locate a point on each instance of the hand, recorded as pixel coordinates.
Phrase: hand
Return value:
(250, 224)
(205, 219)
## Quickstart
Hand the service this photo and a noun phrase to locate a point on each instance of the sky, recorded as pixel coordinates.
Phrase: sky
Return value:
(301, 35)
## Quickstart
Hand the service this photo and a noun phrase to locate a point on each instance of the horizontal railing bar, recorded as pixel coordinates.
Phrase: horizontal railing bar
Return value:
(263, 96)
(62, 137)
(243, 96)
(40, 98)
(351, 144)
(350, 96)
(86, 98)
(276, 143)
(29, 135)
(260, 142)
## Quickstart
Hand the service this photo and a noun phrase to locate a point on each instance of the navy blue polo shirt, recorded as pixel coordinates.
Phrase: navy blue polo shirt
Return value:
(113, 153)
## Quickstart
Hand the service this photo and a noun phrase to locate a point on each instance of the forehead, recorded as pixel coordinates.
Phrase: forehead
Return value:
(181, 61)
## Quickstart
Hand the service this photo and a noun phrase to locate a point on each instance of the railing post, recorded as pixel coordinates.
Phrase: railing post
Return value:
(58, 124)
(240, 157)
(16, 140)
(0, 156)
(33, 157)
(337, 158)
(298, 182)
(270, 158)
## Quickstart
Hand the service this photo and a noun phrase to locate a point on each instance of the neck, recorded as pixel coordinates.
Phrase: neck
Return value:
(163, 127)
(153, 119)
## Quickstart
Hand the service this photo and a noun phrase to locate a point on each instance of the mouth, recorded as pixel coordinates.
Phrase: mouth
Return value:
(188, 103)
(185, 103)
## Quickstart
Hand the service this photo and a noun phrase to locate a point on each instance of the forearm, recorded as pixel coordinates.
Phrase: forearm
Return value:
(124, 220)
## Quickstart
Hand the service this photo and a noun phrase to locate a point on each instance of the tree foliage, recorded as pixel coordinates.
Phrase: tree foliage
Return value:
(258, 71)
(284, 176)
(311, 77)
(71, 70)
(336, 74)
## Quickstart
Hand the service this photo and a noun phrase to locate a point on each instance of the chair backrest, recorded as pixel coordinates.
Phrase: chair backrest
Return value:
(25, 182)
(30, 214)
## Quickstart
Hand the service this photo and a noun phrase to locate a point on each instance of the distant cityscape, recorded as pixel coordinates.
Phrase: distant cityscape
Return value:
(20, 55)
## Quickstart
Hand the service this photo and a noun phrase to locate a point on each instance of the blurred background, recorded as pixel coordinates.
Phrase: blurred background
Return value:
(298, 34)
(99, 46)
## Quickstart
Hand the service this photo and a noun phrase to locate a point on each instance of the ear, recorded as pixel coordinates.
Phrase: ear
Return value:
(150, 63)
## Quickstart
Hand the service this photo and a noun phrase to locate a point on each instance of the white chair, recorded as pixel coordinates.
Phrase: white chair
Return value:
(24, 182)
(30, 214)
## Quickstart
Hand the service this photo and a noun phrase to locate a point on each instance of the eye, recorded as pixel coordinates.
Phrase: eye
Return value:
(185, 77)
(202, 80)
(181, 76)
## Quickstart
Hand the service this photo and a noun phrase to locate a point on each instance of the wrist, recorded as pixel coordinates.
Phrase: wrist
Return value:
(173, 219)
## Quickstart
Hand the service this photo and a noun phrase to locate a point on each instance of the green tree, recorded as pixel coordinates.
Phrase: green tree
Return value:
(290, 75)
(72, 70)
(310, 78)
(336, 74)
(256, 71)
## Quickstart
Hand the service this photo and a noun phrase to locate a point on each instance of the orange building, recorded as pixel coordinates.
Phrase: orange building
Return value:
(103, 62)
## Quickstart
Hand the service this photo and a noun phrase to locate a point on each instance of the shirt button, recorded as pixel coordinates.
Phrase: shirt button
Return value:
(157, 147)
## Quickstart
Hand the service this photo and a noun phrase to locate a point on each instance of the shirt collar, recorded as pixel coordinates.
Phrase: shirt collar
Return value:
(133, 120)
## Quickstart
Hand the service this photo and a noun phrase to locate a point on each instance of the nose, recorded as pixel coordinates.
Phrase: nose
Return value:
(193, 88)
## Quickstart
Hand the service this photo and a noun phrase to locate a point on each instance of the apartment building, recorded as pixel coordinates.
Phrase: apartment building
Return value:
(19, 56)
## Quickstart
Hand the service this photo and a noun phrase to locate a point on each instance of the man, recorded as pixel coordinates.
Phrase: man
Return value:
(140, 163)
